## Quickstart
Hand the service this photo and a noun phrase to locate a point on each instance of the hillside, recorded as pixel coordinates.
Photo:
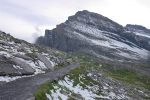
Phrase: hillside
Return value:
(19, 58)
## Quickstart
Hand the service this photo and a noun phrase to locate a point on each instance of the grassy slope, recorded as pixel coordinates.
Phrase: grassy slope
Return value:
(88, 65)
(131, 78)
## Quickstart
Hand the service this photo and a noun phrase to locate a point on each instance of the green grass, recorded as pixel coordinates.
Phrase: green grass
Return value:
(45, 88)
(61, 65)
(124, 75)
(144, 65)
(82, 81)
(131, 77)
(146, 97)
(32, 55)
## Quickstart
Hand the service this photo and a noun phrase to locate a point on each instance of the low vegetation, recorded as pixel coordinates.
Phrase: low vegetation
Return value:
(40, 94)
(131, 77)
(90, 65)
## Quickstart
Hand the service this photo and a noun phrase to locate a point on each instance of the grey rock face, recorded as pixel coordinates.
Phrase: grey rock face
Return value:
(14, 67)
(6, 67)
(27, 69)
(45, 61)
(97, 35)
(138, 35)
(93, 19)
(137, 28)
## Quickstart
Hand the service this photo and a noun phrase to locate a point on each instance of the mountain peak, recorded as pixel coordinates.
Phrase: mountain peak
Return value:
(137, 28)
(83, 12)
(88, 13)
(96, 20)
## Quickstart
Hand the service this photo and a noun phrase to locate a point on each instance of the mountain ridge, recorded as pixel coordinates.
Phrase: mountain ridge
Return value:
(94, 34)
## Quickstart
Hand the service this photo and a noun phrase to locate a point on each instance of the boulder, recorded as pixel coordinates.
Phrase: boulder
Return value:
(6, 67)
(27, 69)
(47, 63)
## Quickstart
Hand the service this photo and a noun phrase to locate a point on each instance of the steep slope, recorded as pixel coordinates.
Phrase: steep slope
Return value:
(97, 35)
(19, 58)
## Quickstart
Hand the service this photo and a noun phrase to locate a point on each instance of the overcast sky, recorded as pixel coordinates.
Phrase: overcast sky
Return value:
(27, 19)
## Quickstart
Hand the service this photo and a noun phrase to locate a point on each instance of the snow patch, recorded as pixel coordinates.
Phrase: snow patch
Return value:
(17, 67)
(88, 93)
(140, 34)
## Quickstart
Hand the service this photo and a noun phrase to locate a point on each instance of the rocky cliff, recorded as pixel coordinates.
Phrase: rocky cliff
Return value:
(94, 34)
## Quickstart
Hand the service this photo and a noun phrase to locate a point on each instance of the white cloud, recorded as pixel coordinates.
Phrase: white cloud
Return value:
(16, 26)
(26, 18)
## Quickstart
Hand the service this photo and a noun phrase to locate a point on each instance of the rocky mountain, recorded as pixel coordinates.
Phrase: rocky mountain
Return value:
(94, 34)
(19, 58)
(37, 72)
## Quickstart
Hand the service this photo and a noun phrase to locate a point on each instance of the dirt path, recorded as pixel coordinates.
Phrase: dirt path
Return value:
(23, 89)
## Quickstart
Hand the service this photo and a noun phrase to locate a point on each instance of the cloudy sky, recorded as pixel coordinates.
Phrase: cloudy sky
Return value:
(27, 19)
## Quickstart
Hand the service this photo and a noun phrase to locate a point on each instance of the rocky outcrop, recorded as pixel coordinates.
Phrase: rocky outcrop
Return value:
(47, 62)
(137, 28)
(138, 35)
(94, 34)
(26, 68)
(20, 58)
(14, 67)
(6, 67)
